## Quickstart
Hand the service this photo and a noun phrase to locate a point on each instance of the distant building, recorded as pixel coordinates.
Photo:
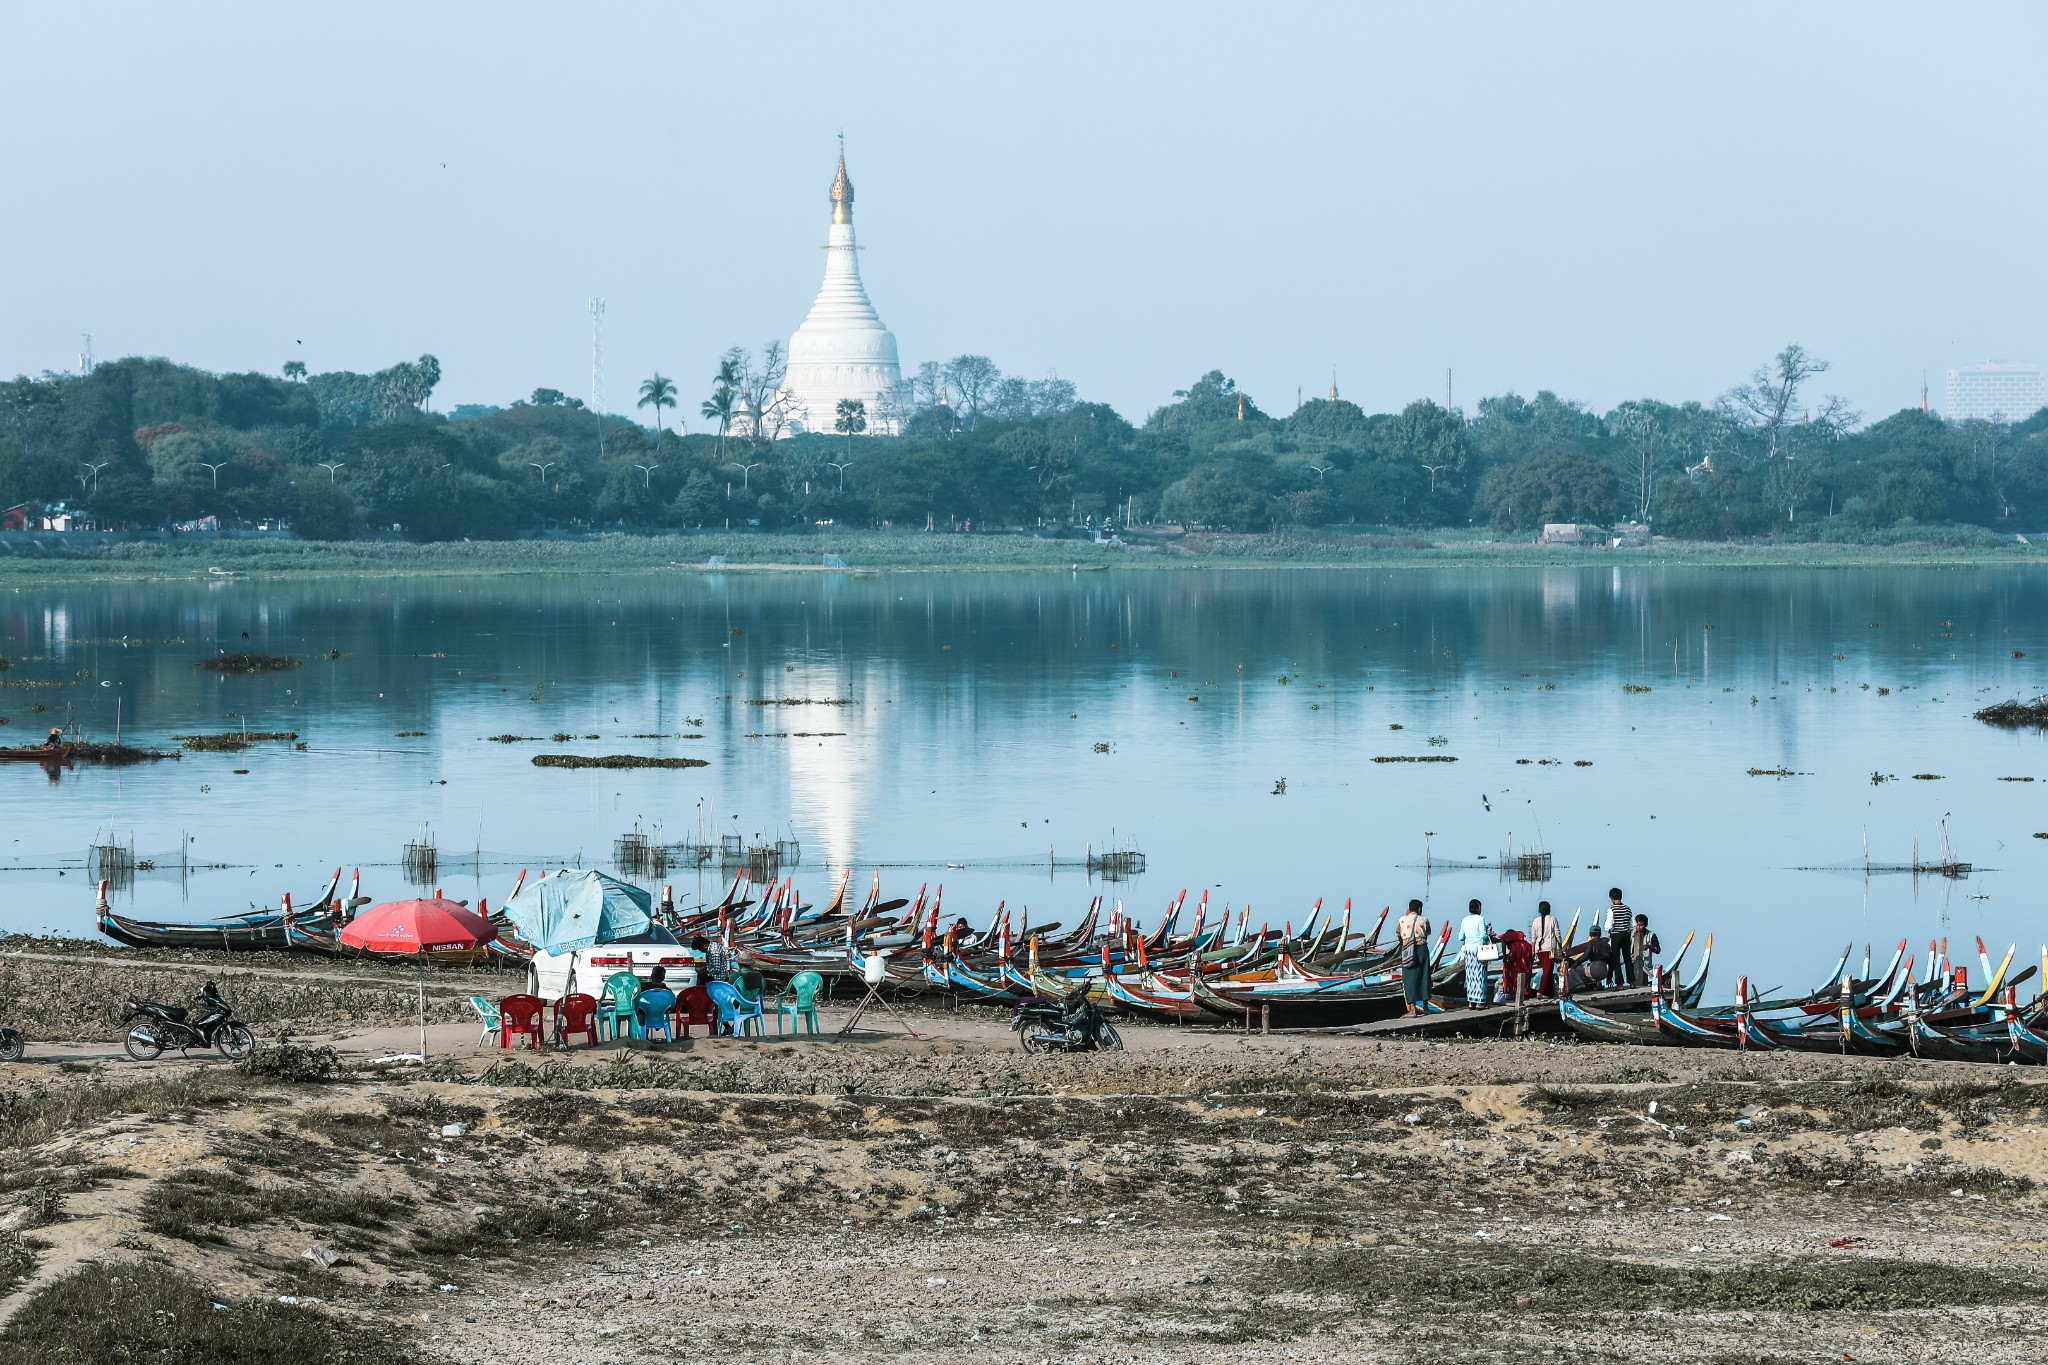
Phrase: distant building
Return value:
(2002, 390)
(842, 350)
(1572, 533)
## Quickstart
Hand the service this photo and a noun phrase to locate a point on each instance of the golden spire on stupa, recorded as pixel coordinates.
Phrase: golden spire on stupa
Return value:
(842, 189)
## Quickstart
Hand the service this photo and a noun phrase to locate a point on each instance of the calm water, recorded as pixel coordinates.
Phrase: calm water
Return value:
(981, 706)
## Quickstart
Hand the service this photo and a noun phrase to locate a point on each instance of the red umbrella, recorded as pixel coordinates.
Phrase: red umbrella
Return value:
(431, 926)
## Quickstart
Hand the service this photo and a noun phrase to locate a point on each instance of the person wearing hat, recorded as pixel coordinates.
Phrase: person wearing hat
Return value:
(55, 740)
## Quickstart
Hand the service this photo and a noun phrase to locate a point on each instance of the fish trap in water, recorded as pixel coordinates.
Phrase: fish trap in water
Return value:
(422, 861)
(112, 861)
(1115, 864)
(637, 854)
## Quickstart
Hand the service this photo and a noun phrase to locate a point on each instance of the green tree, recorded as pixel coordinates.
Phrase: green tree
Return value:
(850, 420)
(295, 370)
(1550, 487)
(324, 511)
(658, 392)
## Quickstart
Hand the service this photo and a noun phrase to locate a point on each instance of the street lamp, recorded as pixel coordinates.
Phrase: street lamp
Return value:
(746, 472)
(841, 467)
(330, 468)
(215, 468)
(92, 472)
(543, 468)
(647, 474)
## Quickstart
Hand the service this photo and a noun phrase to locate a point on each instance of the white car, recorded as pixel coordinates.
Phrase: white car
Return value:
(585, 970)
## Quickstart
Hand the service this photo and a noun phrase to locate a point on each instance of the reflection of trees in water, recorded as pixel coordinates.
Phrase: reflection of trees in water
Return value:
(948, 642)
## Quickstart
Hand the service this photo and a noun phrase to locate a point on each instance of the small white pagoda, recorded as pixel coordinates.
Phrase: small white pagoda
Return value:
(842, 350)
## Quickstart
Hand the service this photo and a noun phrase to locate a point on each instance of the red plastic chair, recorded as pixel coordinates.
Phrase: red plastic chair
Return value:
(519, 1016)
(694, 1006)
(576, 1014)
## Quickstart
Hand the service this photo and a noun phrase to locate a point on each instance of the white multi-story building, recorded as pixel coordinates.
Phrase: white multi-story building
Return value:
(1996, 390)
(842, 350)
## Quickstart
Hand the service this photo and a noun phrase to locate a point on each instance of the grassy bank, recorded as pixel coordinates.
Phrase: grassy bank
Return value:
(615, 553)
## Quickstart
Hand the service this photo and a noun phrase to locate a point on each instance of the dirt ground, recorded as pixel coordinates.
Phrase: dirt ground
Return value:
(1202, 1197)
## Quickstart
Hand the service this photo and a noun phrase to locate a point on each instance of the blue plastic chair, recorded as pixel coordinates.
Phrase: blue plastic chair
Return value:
(736, 1014)
(654, 1008)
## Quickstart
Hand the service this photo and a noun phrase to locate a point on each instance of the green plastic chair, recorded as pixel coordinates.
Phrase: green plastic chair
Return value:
(799, 1001)
(488, 1013)
(615, 1007)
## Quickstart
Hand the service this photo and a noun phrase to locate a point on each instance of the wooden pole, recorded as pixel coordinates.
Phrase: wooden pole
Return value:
(1265, 1017)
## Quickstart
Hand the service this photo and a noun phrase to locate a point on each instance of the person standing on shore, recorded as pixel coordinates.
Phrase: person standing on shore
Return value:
(1643, 949)
(1411, 934)
(1620, 924)
(1546, 940)
(1472, 936)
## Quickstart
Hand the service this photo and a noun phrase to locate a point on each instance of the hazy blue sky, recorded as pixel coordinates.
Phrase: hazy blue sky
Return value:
(1608, 200)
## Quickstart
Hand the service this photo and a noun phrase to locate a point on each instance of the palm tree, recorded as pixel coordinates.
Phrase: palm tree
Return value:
(658, 393)
(720, 407)
(851, 421)
(295, 370)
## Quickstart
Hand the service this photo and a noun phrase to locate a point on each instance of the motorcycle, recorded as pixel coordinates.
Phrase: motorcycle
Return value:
(10, 1045)
(1069, 1024)
(151, 1029)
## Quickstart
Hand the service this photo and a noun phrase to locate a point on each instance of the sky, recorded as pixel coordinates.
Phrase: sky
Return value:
(1608, 201)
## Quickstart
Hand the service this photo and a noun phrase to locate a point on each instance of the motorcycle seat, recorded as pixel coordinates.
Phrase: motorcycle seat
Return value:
(174, 1013)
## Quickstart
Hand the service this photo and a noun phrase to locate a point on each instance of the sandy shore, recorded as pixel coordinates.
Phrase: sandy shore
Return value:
(1205, 1196)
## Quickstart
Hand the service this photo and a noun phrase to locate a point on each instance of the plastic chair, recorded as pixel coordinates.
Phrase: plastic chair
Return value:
(693, 1006)
(798, 1001)
(651, 1012)
(736, 1014)
(615, 1006)
(519, 1017)
(576, 1014)
(487, 1012)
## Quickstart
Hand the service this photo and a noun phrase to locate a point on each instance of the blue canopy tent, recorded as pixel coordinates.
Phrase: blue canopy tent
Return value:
(577, 908)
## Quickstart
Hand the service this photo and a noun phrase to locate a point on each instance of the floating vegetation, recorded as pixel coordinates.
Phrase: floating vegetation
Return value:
(799, 701)
(93, 752)
(693, 736)
(2043, 834)
(233, 742)
(1634, 687)
(2015, 779)
(2017, 715)
(1927, 777)
(1878, 779)
(410, 734)
(1582, 763)
(334, 654)
(249, 663)
(1416, 758)
(614, 761)
(30, 682)
(1779, 771)
(800, 734)
(1438, 741)
(561, 736)
(512, 739)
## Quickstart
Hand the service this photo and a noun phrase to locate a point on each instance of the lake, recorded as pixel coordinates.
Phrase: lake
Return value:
(985, 730)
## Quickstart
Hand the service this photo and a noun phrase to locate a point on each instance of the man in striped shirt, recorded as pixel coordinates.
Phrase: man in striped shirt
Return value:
(1621, 922)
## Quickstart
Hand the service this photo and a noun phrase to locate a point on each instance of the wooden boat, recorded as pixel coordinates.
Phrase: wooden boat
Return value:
(38, 754)
(1610, 1028)
(255, 931)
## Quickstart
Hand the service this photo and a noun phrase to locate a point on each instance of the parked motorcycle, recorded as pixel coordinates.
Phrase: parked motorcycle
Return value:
(10, 1045)
(151, 1029)
(1072, 1024)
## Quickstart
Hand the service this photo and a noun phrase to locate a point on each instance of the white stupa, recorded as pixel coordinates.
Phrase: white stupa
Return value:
(842, 350)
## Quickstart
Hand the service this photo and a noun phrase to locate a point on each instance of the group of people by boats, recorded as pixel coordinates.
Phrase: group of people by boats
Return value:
(1503, 967)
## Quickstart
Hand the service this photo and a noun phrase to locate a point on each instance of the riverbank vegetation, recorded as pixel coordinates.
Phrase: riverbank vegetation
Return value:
(145, 444)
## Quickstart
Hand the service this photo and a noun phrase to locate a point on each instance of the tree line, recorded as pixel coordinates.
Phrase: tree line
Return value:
(146, 442)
